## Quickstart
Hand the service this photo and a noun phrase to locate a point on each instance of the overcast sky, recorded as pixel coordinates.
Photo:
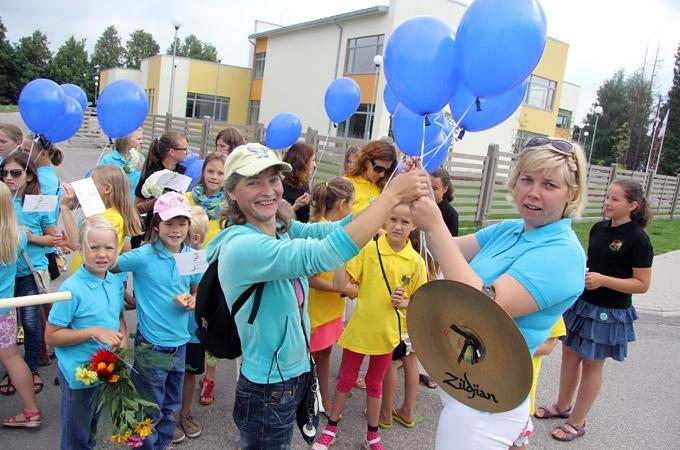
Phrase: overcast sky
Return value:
(603, 35)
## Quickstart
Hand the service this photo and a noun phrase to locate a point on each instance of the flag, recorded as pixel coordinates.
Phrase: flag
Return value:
(662, 131)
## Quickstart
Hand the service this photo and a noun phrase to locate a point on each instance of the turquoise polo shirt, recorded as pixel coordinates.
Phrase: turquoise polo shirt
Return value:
(49, 185)
(157, 281)
(94, 303)
(35, 222)
(8, 273)
(115, 158)
(549, 262)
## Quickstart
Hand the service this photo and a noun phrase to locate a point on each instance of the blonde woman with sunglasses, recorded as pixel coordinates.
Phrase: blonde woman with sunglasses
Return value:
(534, 268)
(375, 164)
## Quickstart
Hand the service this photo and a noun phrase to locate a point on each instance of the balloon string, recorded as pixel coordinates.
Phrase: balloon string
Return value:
(474, 102)
(422, 141)
(438, 149)
(30, 152)
(106, 147)
(323, 149)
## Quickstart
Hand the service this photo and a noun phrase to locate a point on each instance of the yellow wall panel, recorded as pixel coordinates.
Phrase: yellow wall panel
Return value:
(153, 81)
(260, 45)
(366, 83)
(256, 90)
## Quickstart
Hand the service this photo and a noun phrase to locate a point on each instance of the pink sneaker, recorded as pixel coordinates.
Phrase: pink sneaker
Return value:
(373, 441)
(326, 439)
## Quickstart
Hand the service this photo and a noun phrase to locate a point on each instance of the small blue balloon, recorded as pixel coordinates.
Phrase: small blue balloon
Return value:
(408, 130)
(121, 108)
(492, 110)
(69, 124)
(438, 154)
(189, 160)
(498, 44)
(41, 104)
(194, 172)
(283, 131)
(391, 101)
(342, 99)
(76, 92)
(420, 64)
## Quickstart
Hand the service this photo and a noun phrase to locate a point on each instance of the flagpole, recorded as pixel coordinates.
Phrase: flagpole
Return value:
(663, 136)
(654, 127)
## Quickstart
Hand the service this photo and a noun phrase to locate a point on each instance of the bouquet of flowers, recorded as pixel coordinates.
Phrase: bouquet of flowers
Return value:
(126, 408)
(151, 188)
(134, 161)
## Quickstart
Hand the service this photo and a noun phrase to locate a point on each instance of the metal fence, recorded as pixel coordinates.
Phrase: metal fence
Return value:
(480, 182)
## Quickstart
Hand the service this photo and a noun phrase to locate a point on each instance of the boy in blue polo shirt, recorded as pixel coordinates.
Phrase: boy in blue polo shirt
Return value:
(78, 328)
(164, 299)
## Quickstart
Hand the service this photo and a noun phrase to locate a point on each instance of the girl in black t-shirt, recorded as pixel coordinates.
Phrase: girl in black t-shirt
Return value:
(301, 157)
(600, 323)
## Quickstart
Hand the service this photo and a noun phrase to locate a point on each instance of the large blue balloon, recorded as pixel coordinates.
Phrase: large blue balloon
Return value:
(41, 104)
(434, 159)
(283, 130)
(408, 130)
(76, 92)
(391, 101)
(194, 172)
(69, 124)
(420, 64)
(498, 44)
(493, 110)
(121, 108)
(342, 99)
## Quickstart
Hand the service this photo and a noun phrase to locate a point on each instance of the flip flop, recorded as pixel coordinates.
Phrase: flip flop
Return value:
(547, 414)
(6, 386)
(37, 385)
(569, 434)
(396, 417)
(427, 381)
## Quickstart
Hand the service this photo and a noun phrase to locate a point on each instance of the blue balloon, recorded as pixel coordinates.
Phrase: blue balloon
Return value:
(391, 101)
(420, 64)
(408, 130)
(121, 108)
(69, 124)
(498, 44)
(76, 92)
(189, 160)
(194, 172)
(437, 155)
(41, 104)
(283, 131)
(493, 110)
(342, 99)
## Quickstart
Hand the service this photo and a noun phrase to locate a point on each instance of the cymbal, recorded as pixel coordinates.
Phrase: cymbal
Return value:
(493, 372)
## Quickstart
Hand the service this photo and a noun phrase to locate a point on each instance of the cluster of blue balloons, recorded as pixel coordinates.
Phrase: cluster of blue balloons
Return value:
(54, 111)
(481, 72)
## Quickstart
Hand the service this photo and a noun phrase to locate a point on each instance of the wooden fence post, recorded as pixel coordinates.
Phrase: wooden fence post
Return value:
(674, 205)
(487, 184)
(258, 133)
(649, 184)
(205, 130)
(168, 122)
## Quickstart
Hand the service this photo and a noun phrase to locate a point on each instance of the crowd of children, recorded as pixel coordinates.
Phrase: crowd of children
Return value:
(138, 238)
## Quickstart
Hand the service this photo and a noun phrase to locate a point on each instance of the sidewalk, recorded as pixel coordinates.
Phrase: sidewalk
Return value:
(662, 296)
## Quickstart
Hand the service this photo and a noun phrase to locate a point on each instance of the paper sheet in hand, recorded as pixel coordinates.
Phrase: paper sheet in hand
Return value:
(88, 197)
(191, 262)
(40, 203)
(174, 181)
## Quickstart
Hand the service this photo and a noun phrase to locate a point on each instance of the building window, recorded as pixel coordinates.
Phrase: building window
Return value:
(150, 95)
(359, 125)
(541, 93)
(523, 137)
(200, 106)
(360, 53)
(259, 65)
(253, 112)
(563, 119)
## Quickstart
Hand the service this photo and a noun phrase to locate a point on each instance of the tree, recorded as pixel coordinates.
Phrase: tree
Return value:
(622, 142)
(192, 47)
(639, 91)
(209, 52)
(32, 56)
(8, 68)
(70, 65)
(108, 51)
(613, 98)
(670, 154)
(140, 45)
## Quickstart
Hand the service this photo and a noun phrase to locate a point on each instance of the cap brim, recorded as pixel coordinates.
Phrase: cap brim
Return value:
(257, 167)
(174, 212)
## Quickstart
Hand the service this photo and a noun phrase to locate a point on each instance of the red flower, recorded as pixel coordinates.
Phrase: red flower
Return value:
(104, 364)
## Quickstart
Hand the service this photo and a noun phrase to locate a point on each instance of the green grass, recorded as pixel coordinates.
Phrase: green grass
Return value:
(9, 108)
(664, 233)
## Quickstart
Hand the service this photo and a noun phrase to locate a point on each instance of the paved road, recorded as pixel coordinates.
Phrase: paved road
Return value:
(636, 409)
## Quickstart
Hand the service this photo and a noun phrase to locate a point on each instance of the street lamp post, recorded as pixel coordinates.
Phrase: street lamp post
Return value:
(176, 22)
(585, 138)
(598, 112)
(217, 84)
(378, 61)
(96, 84)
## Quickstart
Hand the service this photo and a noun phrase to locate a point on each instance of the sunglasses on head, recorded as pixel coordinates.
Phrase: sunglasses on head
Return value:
(14, 173)
(379, 169)
(559, 145)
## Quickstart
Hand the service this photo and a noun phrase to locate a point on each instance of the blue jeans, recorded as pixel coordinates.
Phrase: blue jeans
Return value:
(78, 416)
(30, 320)
(162, 385)
(265, 413)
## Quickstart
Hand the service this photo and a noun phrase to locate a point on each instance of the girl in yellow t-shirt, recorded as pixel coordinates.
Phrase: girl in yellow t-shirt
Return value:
(375, 164)
(331, 201)
(208, 192)
(373, 328)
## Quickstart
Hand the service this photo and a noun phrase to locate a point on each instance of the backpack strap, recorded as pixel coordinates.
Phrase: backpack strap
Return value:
(243, 298)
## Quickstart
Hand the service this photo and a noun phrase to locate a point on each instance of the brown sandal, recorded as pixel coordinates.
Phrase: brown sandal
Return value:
(207, 386)
(548, 414)
(26, 419)
(569, 434)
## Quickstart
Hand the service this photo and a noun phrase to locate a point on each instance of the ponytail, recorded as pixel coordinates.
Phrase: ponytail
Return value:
(326, 194)
(159, 148)
(632, 190)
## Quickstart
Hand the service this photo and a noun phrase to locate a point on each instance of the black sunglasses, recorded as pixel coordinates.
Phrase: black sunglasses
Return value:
(559, 145)
(14, 173)
(379, 169)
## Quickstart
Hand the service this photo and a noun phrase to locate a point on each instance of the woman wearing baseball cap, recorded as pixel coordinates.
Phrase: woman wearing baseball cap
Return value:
(261, 243)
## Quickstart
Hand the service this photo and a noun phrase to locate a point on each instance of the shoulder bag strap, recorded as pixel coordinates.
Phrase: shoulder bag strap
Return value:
(382, 269)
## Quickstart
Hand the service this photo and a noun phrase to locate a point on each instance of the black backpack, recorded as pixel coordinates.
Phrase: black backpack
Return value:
(216, 326)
